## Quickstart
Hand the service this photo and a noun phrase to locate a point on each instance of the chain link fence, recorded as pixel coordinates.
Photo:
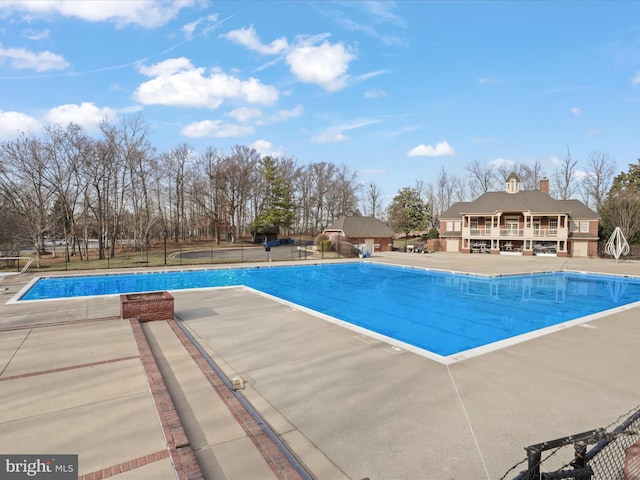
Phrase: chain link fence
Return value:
(600, 454)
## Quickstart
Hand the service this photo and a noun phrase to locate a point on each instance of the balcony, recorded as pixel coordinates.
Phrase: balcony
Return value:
(524, 233)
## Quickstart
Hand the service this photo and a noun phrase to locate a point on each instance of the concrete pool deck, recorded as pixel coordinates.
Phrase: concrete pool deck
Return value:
(73, 380)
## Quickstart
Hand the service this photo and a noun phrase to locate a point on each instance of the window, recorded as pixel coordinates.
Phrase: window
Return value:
(454, 226)
(511, 226)
(584, 226)
(553, 224)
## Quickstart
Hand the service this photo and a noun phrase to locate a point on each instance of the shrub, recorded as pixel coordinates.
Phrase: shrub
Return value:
(343, 248)
(323, 241)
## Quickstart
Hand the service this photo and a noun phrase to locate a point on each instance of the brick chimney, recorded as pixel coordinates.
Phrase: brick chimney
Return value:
(544, 185)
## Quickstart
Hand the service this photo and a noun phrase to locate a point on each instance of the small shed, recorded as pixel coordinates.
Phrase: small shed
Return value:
(369, 230)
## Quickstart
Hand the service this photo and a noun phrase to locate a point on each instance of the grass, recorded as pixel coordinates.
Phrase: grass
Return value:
(153, 257)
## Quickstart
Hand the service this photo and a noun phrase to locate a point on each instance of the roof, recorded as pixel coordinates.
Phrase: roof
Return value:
(360, 227)
(580, 210)
(533, 201)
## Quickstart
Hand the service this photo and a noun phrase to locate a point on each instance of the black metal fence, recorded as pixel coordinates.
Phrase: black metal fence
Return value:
(600, 454)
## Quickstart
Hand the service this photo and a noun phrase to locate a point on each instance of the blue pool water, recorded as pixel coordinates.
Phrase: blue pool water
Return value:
(441, 312)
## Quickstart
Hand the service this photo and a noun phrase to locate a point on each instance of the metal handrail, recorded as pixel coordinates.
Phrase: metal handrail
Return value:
(27, 265)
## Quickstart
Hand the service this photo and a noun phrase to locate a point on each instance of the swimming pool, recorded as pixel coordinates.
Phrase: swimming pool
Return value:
(440, 312)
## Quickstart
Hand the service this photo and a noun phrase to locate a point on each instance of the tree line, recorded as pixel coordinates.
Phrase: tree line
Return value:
(66, 186)
(615, 197)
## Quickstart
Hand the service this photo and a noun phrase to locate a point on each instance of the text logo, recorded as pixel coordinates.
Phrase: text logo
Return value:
(39, 467)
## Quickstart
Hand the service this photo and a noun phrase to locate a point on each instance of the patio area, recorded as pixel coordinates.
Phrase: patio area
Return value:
(350, 406)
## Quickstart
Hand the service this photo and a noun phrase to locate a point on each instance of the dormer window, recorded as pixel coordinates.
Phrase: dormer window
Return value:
(513, 184)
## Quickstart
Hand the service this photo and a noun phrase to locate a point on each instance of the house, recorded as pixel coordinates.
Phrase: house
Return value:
(521, 222)
(358, 230)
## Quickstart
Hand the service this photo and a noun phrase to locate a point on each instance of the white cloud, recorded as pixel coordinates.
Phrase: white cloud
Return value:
(264, 148)
(442, 149)
(40, 61)
(189, 28)
(374, 19)
(14, 123)
(244, 114)
(594, 132)
(282, 116)
(167, 67)
(87, 115)
(325, 65)
(375, 93)
(216, 129)
(210, 23)
(145, 13)
(501, 163)
(330, 137)
(636, 80)
(576, 111)
(37, 35)
(248, 37)
(178, 83)
(335, 133)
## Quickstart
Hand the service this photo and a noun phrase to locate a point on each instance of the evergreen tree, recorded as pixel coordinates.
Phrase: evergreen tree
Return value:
(278, 207)
(408, 211)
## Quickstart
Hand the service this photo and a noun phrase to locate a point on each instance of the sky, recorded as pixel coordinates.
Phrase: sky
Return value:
(394, 90)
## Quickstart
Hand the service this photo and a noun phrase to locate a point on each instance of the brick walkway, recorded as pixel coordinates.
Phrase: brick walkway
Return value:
(274, 457)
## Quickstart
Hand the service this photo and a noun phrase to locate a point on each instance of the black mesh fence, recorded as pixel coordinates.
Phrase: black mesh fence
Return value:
(611, 453)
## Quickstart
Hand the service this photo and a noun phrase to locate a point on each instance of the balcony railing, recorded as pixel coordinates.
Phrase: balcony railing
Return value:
(513, 232)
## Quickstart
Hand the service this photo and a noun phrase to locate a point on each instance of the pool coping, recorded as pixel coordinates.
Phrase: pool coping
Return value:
(396, 346)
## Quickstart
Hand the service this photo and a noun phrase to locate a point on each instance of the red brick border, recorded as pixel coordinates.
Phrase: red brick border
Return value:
(71, 367)
(56, 324)
(182, 455)
(125, 466)
(274, 457)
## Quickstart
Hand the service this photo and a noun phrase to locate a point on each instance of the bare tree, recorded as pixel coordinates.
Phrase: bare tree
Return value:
(303, 189)
(503, 171)
(237, 180)
(482, 178)
(622, 209)
(529, 175)
(64, 148)
(371, 200)
(206, 189)
(322, 175)
(131, 173)
(446, 186)
(23, 182)
(599, 177)
(342, 195)
(564, 178)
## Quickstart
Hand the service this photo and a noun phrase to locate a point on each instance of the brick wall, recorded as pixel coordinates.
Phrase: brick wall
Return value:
(147, 306)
